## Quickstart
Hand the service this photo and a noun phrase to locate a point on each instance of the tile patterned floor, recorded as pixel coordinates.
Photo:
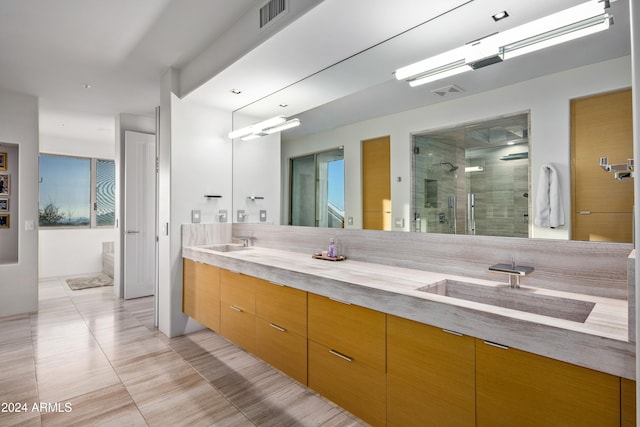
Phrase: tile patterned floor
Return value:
(89, 359)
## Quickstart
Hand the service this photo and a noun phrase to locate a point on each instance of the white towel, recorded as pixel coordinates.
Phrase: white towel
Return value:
(549, 212)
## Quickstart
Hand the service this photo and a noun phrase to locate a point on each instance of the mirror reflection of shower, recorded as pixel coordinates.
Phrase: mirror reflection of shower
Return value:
(487, 199)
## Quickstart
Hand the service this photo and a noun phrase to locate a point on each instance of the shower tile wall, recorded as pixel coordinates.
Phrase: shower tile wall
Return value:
(433, 209)
(501, 189)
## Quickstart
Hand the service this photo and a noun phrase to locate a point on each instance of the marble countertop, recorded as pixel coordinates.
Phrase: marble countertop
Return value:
(600, 342)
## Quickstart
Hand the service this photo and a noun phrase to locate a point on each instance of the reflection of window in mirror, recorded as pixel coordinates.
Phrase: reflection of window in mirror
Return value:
(317, 190)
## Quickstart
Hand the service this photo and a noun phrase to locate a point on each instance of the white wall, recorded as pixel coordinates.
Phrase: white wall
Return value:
(19, 281)
(67, 252)
(547, 98)
(195, 159)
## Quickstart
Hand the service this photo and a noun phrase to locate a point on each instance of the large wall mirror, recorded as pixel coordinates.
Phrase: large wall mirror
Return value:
(366, 101)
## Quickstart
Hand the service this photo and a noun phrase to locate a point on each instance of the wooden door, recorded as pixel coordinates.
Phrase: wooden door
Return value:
(602, 207)
(376, 184)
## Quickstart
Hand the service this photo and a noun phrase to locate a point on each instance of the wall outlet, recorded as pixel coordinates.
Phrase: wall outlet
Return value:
(195, 216)
(263, 215)
(399, 222)
(29, 225)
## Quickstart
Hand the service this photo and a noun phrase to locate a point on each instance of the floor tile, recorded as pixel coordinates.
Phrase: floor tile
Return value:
(104, 357)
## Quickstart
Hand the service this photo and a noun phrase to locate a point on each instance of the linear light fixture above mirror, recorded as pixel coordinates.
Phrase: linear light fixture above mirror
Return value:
(263, 128)
(578, 21)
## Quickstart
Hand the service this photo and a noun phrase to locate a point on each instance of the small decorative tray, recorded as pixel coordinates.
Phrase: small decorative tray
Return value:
(327, 258)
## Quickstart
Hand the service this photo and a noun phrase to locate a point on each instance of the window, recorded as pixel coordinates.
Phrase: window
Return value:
(76, 192)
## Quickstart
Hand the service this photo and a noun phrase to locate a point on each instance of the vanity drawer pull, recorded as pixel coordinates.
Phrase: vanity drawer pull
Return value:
(449, 331)
(279, 328)
(233, 307)
(585, 212)
(341, 356)
(495, 344)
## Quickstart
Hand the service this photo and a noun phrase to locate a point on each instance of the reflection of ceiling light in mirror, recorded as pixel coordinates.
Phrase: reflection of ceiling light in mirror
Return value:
(569, 24)
(266, 127)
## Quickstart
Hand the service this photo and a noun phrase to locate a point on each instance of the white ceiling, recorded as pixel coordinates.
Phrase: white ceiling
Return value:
(122, 48)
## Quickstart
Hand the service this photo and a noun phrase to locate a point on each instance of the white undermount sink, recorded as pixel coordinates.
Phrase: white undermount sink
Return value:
(225, 247)
(521, 299)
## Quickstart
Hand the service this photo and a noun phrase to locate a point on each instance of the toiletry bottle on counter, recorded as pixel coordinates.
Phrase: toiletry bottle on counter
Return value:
(332, 248)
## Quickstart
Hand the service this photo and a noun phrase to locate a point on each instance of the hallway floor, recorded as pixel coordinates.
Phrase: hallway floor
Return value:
(87, 359)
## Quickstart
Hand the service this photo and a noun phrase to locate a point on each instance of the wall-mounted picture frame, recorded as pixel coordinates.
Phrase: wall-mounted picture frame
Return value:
(4, 221)
(5, 184)
(4, 205)
(3, 161)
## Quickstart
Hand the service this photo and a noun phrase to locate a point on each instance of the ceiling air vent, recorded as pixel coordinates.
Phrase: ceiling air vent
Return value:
(271, 11)
(447, 90)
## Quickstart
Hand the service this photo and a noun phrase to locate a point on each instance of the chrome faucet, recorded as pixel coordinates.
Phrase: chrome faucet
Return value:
(514, 271)
(246, 240)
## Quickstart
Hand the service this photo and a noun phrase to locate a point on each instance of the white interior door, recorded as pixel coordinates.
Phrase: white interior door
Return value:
(139, 215)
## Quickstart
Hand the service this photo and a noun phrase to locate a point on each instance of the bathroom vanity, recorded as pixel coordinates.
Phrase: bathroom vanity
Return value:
(402, 346)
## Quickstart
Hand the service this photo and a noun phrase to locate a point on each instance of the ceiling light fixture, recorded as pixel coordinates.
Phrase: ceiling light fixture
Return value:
(500, 16)
(236, 91)
(86, 86)
(263, 128)
(569, 24)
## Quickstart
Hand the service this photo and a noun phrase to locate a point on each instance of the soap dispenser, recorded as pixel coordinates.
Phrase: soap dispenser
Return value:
(332, 248)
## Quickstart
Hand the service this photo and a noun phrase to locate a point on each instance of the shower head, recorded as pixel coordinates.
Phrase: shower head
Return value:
(452, 167)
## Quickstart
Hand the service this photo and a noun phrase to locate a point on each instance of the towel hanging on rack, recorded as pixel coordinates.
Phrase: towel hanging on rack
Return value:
(549, 211)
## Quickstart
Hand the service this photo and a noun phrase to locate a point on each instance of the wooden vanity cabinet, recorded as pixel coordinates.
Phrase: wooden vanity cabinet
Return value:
(238, 308)
(628, 407)
(430, 375)
(514, 387)
(281, 328)
(201, 293)
(347, 356)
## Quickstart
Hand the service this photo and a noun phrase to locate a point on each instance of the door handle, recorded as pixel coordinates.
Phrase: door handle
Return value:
(132, 232)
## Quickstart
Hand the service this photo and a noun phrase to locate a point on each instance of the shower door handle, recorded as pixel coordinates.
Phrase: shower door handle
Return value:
(471, 213)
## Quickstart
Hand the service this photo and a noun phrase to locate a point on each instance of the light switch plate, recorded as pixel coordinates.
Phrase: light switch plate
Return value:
(222, 215)
(350, 220)
(263, 215)
(240, 215)
(399, 222)
(195, 216)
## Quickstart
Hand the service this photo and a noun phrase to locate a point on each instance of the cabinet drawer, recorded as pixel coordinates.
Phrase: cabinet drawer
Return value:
(349, 329)
(238, 326)
(238, 290)
(353, 385)
(431, 375)
(282, 305)
(514, 387)
(282, 348)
